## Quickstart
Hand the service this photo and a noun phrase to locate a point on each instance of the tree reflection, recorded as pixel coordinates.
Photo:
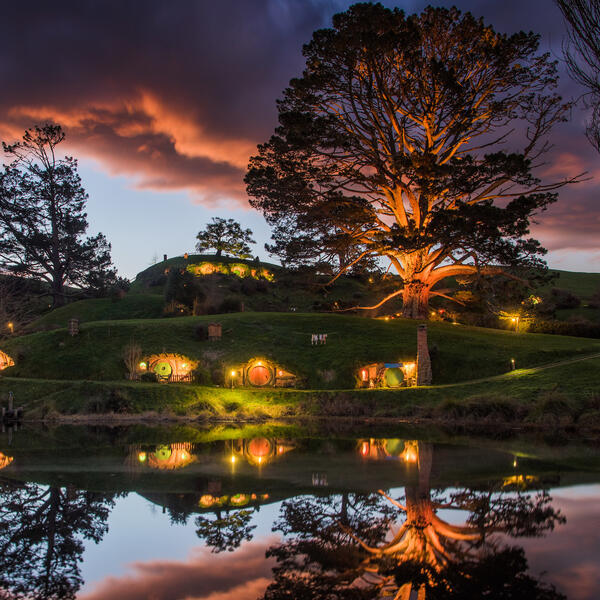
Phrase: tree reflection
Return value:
(41, 533)
(376, 546)
(225, 531)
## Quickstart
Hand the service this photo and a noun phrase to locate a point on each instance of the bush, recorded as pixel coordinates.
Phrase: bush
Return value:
(202, 332)
(218, 377)
(202, 375)
(230, 304)
(148, 377)
(564, 299)
(580, 328)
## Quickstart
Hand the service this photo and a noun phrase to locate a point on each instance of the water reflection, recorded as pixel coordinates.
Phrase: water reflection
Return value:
(358, 518)
(373, 545)
(41, 532)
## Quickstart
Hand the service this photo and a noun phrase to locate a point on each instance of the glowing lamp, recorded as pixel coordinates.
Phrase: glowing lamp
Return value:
(142, 457)
(143, 366)
(184, 365)
(364, 450)
(232, 459)
(259, 363)
(233, 373)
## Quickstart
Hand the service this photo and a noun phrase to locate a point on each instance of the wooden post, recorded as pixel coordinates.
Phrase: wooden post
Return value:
(423, 360)
(73, 327)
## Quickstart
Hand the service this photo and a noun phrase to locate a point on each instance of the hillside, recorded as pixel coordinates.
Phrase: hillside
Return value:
(458, 353)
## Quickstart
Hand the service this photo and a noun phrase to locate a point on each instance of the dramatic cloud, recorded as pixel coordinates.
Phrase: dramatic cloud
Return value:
(204, 576)
(177, 95)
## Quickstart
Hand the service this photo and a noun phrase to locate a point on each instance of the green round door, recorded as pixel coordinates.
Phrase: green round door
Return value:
(163, 370)
(393, 377)
(162, 453)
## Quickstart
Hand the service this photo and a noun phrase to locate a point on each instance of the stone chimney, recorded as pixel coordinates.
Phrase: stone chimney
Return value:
(423, 360)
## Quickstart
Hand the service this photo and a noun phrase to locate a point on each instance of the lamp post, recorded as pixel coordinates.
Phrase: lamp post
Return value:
(515, 320)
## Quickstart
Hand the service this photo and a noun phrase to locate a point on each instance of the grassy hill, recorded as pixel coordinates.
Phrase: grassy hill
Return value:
(458, 353)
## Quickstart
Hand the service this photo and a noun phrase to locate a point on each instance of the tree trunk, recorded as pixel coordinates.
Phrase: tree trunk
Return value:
(58, 294)
(415, 300)
(218, 252)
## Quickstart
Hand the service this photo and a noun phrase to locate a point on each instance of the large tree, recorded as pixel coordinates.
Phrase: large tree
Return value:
(225, 235)
(42, 218)
(412, 138)
(582, 55)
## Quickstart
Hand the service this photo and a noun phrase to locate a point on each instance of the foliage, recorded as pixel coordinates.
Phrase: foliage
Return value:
(564, 298)
(225, 236)
(582, 55)
(183, 288)
(391, 144)
(225, 532)
(40, 538)
(42, 218)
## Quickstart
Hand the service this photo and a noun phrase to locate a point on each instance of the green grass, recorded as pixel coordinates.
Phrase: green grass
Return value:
(564, 396)
(583, 285)
(132, 306)
(458, 353)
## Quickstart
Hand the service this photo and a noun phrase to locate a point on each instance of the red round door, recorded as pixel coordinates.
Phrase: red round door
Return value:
(259, 375)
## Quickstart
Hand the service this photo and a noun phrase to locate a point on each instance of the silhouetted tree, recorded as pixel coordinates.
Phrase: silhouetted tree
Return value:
(225, 532)
(582, 55)
(42, 218)
(393, 144)
(377, 546)
(225, 236)
(41, 533)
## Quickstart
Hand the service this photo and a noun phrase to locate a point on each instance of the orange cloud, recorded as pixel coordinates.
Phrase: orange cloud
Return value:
(204, 576)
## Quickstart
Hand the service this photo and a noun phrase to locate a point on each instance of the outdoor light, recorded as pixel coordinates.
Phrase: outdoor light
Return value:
(142, 457)
(11, 326)
(259, 363)
(232, 459)
(233, 373)
(512, 363)
(143, 366)
(184, 365)
(515, 463)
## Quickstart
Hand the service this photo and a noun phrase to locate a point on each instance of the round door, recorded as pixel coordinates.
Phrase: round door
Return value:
(259, 375)
(393, 377)
(163, 370)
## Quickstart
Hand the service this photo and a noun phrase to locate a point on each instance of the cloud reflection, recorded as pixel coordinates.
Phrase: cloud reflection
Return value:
(204, 576)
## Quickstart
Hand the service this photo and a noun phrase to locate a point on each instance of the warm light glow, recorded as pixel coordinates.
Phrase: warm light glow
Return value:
(232, 459)
(515, 463)
(365, 375)
(184, 365)
(259, 459)
(259, 363)
(514, 319)
(364, 450)
(143, 366)
(11, 326)
(142, 457)
(233, 373)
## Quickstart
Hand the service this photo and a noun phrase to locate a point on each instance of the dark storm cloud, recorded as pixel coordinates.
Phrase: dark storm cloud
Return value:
(177, 95)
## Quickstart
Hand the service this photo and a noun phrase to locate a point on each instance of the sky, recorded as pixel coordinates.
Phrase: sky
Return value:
(163, 104)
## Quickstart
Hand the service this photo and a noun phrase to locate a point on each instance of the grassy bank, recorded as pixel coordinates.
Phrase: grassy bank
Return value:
(458, 353)
(567, 395)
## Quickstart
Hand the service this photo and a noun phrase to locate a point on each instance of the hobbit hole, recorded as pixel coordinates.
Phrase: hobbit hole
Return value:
(5, 361)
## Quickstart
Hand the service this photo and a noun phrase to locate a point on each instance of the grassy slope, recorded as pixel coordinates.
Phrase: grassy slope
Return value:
(553, 397)
(132, 306)
(458, 353)
(583, 285)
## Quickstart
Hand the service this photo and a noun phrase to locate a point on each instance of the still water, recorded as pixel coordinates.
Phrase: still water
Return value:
(280, 512)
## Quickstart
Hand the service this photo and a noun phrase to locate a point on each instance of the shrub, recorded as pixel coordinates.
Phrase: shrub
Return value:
(148, 377)
(230, 304)
(564, 298)
(218, 377)
(202, 375)
(201, 332)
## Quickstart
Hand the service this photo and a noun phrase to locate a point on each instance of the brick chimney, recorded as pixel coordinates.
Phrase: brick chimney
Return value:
(423, 360)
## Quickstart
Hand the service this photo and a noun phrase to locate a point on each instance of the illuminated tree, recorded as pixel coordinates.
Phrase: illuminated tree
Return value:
(404, 549)
(413, 139)
(225, 236)
(41, 533)
(42, 218)
(583, 55)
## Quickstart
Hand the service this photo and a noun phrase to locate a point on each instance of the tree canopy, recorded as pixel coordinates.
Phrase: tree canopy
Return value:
(225, 236)
(583, 55)
(42, 218)
(413, 139)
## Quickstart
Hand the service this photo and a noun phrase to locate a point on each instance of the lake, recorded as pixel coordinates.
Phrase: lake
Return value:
(289, 511)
